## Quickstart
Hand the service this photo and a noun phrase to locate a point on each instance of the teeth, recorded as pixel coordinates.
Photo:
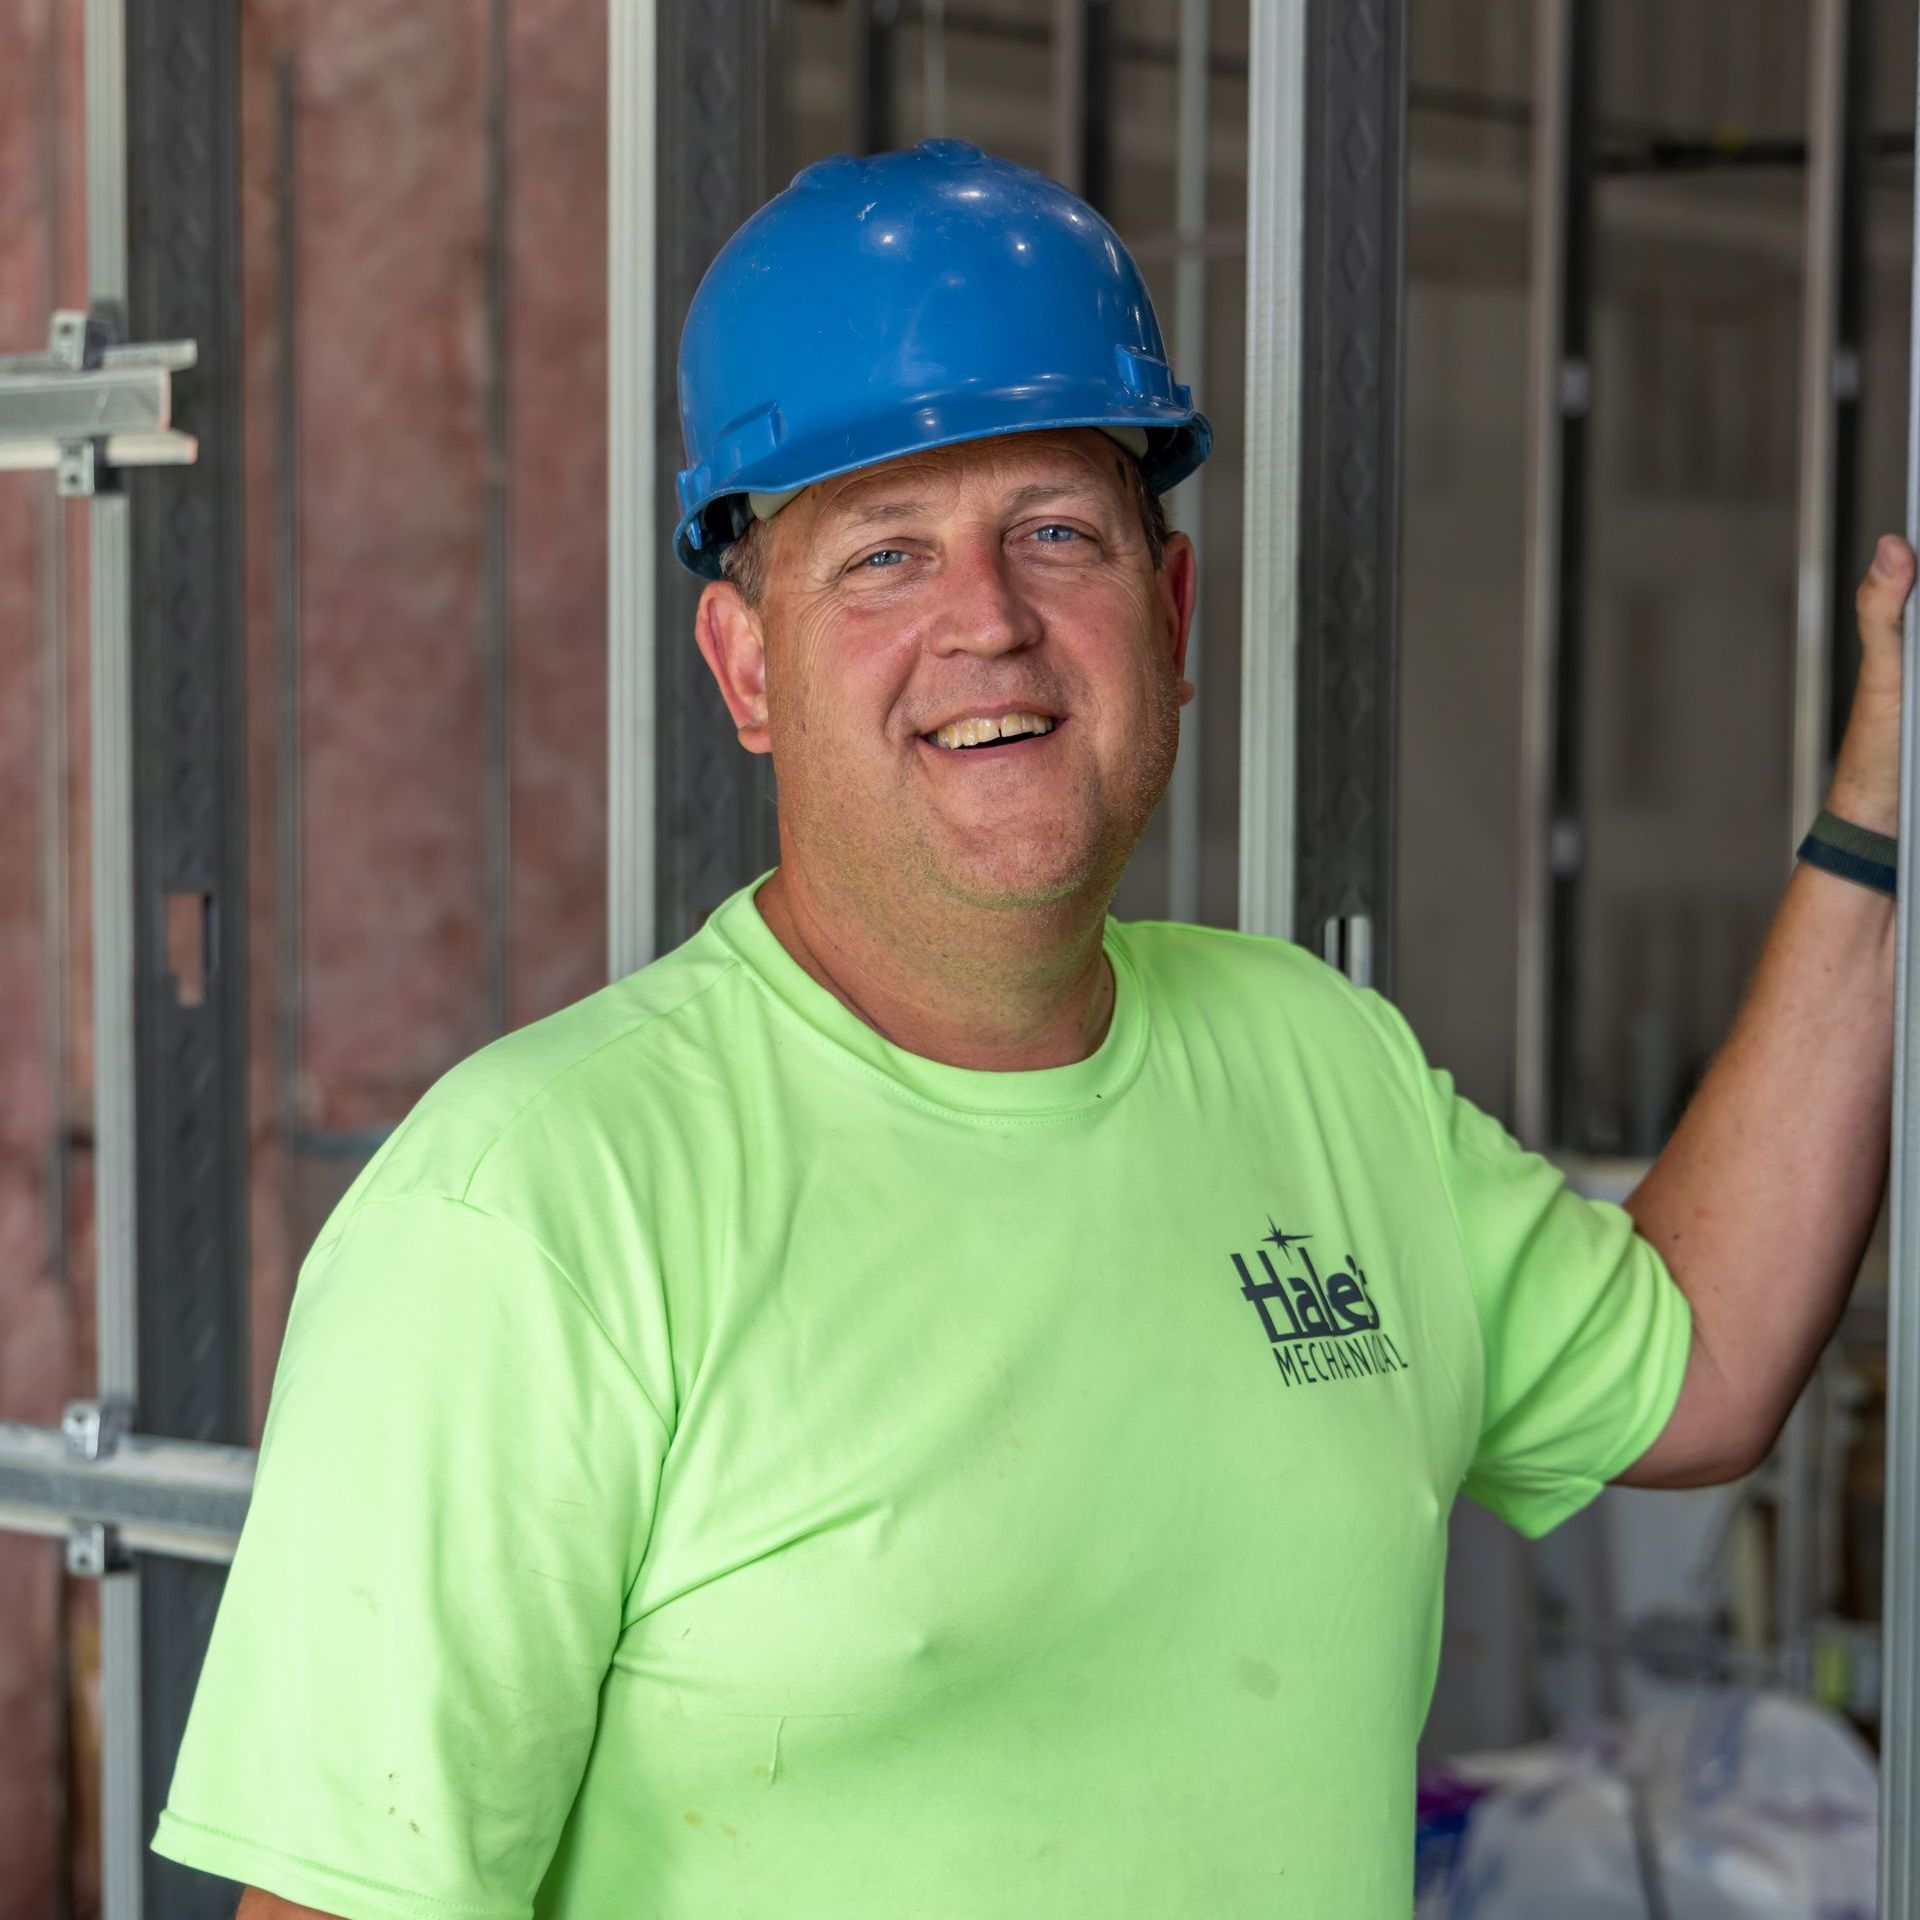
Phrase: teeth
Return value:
(973, 733)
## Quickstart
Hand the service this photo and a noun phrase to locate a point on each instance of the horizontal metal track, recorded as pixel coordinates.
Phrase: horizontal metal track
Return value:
(184, 1498)
(161, 448)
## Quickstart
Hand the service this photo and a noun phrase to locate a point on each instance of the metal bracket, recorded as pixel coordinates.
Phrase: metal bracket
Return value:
(1346, 943)
(87, 405)
(95, 1550)
(94, 1428)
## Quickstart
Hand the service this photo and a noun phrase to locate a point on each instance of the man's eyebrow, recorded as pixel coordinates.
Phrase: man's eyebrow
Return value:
(1049, 490)
(880, 510)
(1027, 496)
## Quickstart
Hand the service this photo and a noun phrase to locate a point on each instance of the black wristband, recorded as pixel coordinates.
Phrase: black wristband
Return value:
(1854, 853)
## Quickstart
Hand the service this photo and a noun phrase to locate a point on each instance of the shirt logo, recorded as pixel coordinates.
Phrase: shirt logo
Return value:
(1319, 1329)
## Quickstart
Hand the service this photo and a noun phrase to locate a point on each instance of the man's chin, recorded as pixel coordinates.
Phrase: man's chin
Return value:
(1025, 878)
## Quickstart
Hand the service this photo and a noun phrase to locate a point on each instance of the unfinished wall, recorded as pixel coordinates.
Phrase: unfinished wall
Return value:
(423, 252)
(46, 1783)
(423, 247)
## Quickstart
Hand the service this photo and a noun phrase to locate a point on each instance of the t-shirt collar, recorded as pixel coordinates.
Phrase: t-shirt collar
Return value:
(1033, 1093)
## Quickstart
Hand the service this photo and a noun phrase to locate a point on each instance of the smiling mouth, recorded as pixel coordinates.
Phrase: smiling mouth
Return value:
(975, 736)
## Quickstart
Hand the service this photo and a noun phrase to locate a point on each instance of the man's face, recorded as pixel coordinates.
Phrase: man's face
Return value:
(1008, 576)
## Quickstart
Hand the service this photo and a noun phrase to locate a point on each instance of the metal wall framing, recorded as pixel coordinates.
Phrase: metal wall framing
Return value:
(1825, 387)
(1325, 245)
(1352, 273)
(189, 902)
(1068, 51)
(714, 803)
(496, 617)
(168, 772)
(1858, 144)
(1560, 384)
(1276, 118)
(933, 67)
(169, 912)
(1900, 1705)
(1188, 504)
(875, 79)
(691, 814)
(1839, 105)
(633, 500)
(115, 1182)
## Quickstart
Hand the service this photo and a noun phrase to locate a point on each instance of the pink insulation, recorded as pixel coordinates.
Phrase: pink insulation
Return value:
(388, 214)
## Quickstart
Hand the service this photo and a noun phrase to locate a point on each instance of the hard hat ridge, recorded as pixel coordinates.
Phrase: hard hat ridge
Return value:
(887, 305)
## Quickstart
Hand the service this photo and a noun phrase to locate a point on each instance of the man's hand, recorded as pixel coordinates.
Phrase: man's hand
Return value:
(1866, 775)
(1763, 1202)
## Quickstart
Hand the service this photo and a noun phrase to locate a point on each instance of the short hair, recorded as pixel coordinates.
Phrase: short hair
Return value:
(743, 561)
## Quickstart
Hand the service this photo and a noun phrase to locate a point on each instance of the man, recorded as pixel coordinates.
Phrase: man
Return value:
(926, 1400)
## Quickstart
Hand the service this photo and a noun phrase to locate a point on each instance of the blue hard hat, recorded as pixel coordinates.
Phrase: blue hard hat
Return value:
(882, 306)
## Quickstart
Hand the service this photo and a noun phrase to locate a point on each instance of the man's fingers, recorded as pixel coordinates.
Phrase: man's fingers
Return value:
(1866, 774)
(1883, 592)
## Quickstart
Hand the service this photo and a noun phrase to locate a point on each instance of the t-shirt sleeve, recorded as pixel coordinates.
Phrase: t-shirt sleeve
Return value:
(455, 1482)
(1584, 1331)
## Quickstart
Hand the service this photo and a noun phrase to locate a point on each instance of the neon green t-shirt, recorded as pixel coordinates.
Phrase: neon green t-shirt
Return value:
(724, 1465)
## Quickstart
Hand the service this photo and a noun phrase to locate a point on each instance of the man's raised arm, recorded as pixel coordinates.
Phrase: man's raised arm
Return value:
(1764, 1200)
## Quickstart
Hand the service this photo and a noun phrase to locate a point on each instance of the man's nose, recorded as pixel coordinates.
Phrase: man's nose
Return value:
(982, 608)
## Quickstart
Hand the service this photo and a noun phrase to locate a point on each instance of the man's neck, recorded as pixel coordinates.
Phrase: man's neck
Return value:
(1013, 992)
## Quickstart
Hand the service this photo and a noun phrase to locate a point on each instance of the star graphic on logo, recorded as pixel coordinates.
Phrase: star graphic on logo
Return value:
(1286, 1242)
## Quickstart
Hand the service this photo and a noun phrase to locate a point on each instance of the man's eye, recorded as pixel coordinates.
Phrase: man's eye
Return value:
(1056, 535)
(884, 556)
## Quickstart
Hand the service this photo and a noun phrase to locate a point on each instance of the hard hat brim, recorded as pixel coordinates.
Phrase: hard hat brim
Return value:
(1179, 440)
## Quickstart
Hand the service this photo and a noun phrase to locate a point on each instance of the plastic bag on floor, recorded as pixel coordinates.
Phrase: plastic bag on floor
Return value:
(1732, 1806)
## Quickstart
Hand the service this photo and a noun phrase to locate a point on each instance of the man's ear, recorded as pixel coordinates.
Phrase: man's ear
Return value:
(1179, 581)
(734, 644)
